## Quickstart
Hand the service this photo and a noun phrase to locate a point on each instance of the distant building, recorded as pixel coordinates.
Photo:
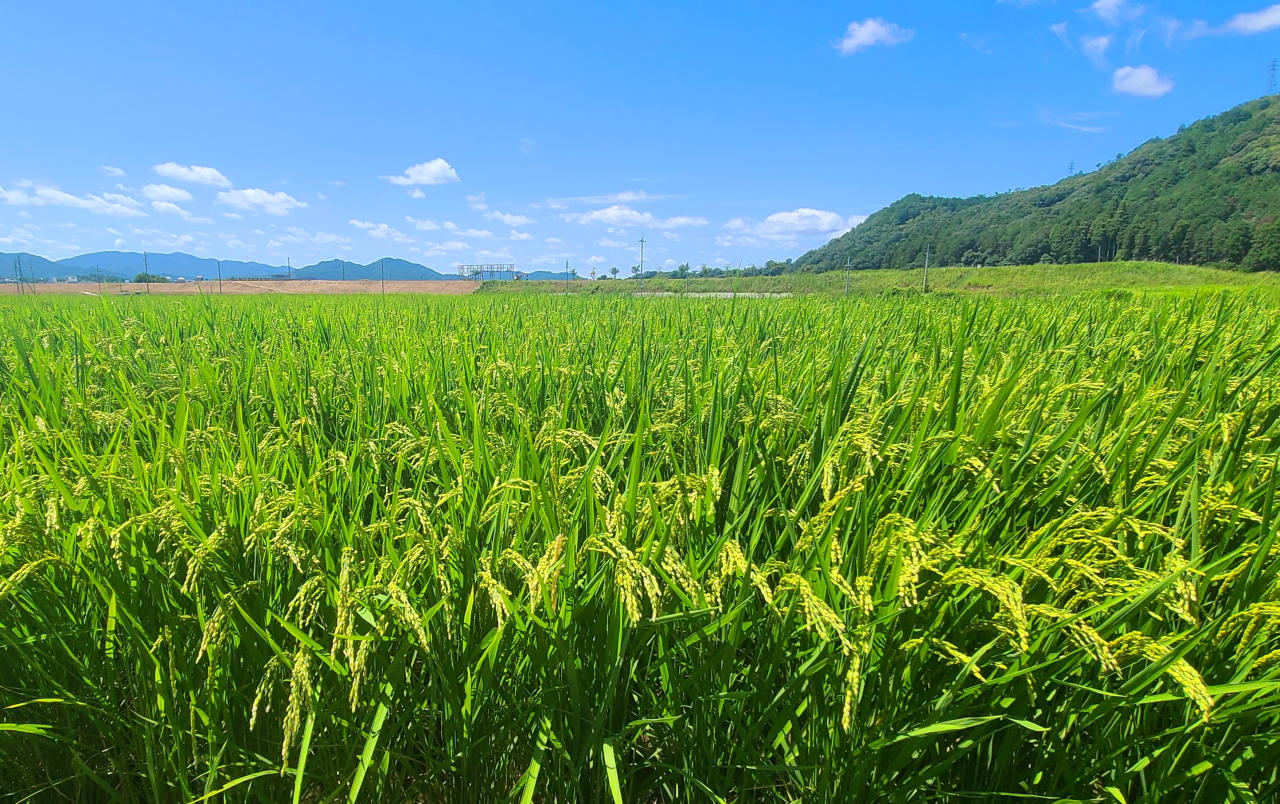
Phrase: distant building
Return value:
(72, 279)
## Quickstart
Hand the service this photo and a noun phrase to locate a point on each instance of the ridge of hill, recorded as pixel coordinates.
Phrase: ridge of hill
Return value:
(1208, 195)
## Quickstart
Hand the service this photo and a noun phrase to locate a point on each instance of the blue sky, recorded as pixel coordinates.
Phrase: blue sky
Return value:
(537, 133)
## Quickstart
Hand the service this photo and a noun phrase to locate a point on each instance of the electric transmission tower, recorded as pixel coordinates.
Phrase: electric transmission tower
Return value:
(1271, 77)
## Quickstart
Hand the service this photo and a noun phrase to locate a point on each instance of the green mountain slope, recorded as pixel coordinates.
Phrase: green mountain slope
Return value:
(1208, 195)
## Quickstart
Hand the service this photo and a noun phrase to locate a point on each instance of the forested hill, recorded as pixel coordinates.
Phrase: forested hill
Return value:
(1208, 195)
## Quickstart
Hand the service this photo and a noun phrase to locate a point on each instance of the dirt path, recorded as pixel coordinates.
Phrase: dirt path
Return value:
(234, 288)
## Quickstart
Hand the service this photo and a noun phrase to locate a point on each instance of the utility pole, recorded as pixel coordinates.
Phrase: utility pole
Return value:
(566, 277)
(219, 277)
(848, 265)
(17, 267)
(344, 270)
(288, 267)
(641, 262)
(384, 277)
(928, 249)
(146, 271)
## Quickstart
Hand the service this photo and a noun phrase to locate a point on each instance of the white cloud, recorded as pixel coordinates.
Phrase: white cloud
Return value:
(788, 227)
(233, 215)
(1144, 81)
(624, 197)
(494, 255)
(171, 208)
(416, 192)
(449, 245)
(192, 173)
(322, 196)
(520, 235)
(113, 204)
(423, 225)
(14, 198)
(1255, 22)
(594, 260)
(297, 235)
(872, 32)
(460, 232)
(1095, 48)
(120, 241)
(526, 146)
(672, 236)
(174, 242)
(437, 171)
(607, 243)
(554, 241)
(1061, 30)
(255, 200)
(509, 219)
(477, 202)
(163, 192)
(381, 231)
(112, 171)
(619, 215)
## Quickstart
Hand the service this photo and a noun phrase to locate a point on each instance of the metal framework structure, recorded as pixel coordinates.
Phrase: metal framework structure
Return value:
(480, 273)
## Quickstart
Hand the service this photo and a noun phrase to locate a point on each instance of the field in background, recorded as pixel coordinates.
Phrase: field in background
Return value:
(486, 549)
(233, 288)
(999, 281)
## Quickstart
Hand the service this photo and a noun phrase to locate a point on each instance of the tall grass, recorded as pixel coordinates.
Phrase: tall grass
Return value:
(594, 550)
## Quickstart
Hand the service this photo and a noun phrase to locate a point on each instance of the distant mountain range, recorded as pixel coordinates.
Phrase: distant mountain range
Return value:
(127, 265)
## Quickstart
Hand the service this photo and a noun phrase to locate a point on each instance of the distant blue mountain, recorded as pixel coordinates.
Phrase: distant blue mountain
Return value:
(396, 269)
(127, 265)
(130, 264)
(33, 267)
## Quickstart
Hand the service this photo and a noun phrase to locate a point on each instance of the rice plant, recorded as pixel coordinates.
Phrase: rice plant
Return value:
(608, 550)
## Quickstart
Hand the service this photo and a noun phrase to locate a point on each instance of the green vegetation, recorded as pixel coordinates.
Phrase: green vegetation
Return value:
(997, 281)
(624, 550)
(151, 279)
(1208, 195)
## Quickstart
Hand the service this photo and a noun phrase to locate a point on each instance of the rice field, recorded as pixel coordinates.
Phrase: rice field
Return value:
(592, 549)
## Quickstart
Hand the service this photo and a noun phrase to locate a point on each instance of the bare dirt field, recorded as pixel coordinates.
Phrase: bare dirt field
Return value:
(230, 288)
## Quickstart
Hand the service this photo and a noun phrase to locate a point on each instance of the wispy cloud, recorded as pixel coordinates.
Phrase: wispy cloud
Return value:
(112, 204)
(619, 215)
(787, 227)
(1095, 48)
(381, 231)
(1255, 22)
(870, 33)
(437, 171)
(510, 219)
(257, 200)
(192, 173)
(170, 208)
(163, 192)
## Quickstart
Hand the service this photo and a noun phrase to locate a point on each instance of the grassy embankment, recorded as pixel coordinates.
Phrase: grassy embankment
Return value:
(1000, 281)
